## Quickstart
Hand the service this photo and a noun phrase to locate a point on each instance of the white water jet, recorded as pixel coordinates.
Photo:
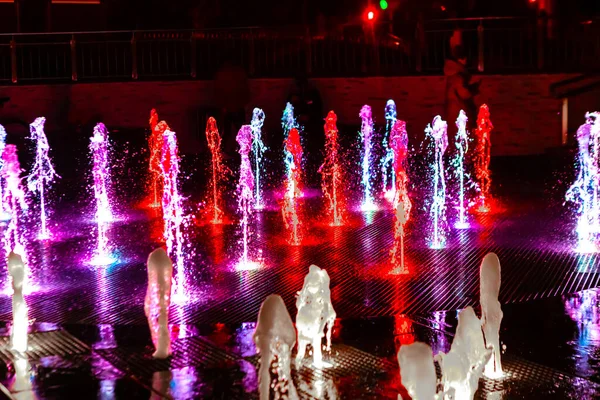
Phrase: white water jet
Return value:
(18, 334)
(417, 371)
(315, 314)
(491, 311)
(158, 299)
(463, 365)
(274, 338)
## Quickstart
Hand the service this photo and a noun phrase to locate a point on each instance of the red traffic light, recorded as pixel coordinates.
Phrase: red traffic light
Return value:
(370, 14)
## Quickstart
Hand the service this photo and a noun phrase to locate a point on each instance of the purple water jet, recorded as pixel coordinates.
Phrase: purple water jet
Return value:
(42, 174)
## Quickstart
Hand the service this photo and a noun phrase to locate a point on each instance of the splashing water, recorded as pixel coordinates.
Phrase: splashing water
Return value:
(293, 190)
(155, 147)
(218, 169)
(437, 132)
(274, 338)
(172, 205)
(462, 146)
(288, 122)
(14, 198)
(315, 314)
(101, 172)
(4, 208)
(42, 174)
(258, 149)
(245, 188)
(402, 203)
(366, 134)
(331, 172)
(387, 162)
(584, 191)
(482, 157)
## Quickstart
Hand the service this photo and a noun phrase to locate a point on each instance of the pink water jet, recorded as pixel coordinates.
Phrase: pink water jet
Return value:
(366, 135)
(245, 190)
(14, 198)
(293, 191)
(172, 205)
(101, 173)
(99, 147)
(42, 174)
(332, 173)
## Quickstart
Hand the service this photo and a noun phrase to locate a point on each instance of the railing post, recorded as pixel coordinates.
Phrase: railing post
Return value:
(73, 59)
(308, 51)
(419, 38)
(480, 56)
(13, 60)
(541, 41)
(252, 60)
(193, 55)
(134, 68)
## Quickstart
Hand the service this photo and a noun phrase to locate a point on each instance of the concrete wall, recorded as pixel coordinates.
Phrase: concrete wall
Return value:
(526, 118)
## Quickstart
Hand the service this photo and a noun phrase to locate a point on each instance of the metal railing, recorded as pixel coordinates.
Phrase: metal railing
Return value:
(493, 45)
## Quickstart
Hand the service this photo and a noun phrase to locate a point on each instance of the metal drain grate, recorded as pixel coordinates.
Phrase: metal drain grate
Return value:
(46, 344)
(523, 376)
(187, 352)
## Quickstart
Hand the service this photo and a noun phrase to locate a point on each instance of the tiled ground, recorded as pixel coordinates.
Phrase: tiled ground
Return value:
(90, 340)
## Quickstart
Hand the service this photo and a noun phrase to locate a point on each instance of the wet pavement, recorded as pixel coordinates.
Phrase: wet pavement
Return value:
(89, 337)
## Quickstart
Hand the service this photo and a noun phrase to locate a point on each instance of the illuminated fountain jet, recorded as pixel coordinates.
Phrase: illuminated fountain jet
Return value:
(438, 136)
(387, 162)
(463, 365)
(42, 174)
(172, 205)
(315, 314)
(4, 208)
(465, 185)
(155, 143)
(491, 311)
(482, 157)
(332, 173)
(288, 122)
(402, 203)
(217, 170)
(14, 200)
(99, 145)
(417, 371)
(245, 190)
(366, 134)
(157, 301)
(275, 338)
(18, 334)
(101, 173)
(258, 150)
(291, 210)
(584, 192)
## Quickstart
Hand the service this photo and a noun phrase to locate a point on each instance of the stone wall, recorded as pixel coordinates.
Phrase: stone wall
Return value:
(527, 119)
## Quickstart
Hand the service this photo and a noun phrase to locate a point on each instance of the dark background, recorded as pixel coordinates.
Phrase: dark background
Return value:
(43, 16)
